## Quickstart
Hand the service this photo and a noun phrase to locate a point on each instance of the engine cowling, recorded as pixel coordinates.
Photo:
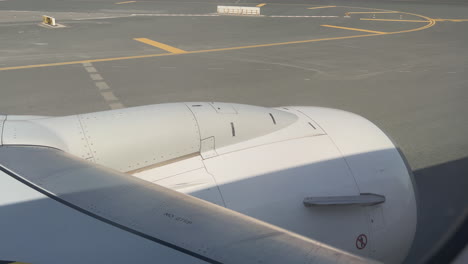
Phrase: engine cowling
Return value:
(323, 173)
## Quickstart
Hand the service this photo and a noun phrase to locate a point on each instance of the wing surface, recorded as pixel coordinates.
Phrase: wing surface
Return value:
(186, 225)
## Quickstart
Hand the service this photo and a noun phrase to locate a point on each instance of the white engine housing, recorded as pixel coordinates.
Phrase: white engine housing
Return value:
(262, 162)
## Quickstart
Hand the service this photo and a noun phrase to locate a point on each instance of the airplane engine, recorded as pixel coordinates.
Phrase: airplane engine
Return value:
(323, 173)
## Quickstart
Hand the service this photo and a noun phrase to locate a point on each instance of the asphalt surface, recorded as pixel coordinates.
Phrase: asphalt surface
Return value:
(412, 83)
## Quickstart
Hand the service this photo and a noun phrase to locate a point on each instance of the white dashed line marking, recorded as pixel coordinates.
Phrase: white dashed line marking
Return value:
(116, 106)
(109, 96)
(96, 77)
(90, 69)
(177, 15)
(91, 18)
(106, 91)
(102, 85)
(216, 15)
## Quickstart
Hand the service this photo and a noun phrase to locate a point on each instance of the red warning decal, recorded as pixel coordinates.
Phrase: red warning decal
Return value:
(361, 241)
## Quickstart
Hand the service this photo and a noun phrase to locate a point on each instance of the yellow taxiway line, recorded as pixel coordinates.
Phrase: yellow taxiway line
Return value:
(355, 29)
(160, 45)
(395, 20)
(431, 22)
(260, 5)
(319, 7)
(187, 52)
(451, 20)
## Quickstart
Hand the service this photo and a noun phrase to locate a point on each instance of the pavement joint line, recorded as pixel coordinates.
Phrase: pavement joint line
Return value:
(303, 16)
(369, 12)
(431, 23)
(126, 2)
(260, 5)
(160, 45)
(105, 90)
(395, 20)
(355, 29)
(319, 7)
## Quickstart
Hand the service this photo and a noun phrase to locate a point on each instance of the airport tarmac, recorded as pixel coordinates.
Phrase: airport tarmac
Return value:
(400, 64)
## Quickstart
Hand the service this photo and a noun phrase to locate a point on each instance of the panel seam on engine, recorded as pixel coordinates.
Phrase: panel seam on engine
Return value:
(85, 136)
(1, 132)
(339, 150)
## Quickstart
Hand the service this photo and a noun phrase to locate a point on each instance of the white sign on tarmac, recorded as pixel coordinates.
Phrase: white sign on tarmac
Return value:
(239, 10)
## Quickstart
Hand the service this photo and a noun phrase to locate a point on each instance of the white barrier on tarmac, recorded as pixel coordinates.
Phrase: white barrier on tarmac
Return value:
(239, 10)
(48, 20)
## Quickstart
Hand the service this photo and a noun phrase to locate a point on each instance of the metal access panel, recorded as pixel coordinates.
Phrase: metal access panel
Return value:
(153, 134)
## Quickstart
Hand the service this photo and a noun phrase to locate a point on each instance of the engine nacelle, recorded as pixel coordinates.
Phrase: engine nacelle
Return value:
(323, 173)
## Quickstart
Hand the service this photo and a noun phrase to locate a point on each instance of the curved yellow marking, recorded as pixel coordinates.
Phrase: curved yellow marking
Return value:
(431, 22)
(451, 20)
(394, 20)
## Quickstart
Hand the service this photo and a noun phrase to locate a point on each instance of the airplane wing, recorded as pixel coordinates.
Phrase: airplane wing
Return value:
(56, 208)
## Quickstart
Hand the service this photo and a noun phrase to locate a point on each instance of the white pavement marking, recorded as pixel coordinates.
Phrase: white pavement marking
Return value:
(91, 18)
(102, 85)
(188, 15)
(116, 106)
(96, 77)
(109, 96)
(106, 91)
(90, 69)
(216, 15)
